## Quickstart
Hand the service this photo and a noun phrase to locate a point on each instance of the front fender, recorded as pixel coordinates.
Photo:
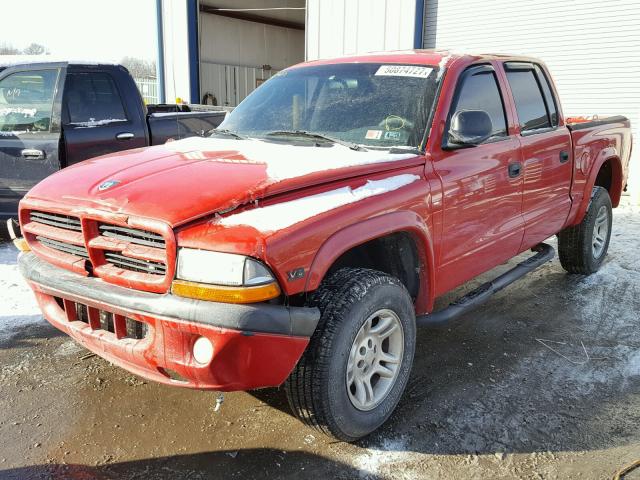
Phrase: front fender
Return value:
(366, 230)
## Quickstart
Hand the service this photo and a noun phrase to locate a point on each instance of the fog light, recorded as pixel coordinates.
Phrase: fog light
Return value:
(203, 350)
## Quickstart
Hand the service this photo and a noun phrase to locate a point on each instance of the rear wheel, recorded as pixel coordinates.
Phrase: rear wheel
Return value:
(582, 248)
(357, 364)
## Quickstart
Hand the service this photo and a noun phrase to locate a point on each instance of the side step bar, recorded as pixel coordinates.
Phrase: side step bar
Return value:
(481, 294)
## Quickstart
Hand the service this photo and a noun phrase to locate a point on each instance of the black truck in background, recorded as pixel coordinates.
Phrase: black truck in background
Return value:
(55, 114)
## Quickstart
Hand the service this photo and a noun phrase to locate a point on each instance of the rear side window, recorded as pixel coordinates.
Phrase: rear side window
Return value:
(548, 96)
(480, 92)
(530, 103)
(26, 101)
(92, 99)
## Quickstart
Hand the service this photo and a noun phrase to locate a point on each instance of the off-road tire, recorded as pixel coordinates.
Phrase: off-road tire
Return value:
(575, 247)
(317, 388)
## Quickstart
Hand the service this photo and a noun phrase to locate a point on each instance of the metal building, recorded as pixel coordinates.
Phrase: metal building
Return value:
(592, 47)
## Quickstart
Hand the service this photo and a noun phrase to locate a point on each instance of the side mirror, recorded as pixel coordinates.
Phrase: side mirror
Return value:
(469, 128)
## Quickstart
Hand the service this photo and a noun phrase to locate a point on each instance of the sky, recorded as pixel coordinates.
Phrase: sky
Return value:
(104, 30)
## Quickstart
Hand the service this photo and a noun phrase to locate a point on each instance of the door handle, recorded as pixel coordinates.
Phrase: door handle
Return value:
(33, 154)
(564, 156)
(125, 136)
(515, 169)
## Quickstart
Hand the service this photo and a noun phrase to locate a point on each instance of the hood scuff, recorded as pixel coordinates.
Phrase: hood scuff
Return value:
(282, 215)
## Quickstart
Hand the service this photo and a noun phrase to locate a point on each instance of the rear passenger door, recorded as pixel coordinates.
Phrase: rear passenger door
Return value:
(546, 152)
(95, 118)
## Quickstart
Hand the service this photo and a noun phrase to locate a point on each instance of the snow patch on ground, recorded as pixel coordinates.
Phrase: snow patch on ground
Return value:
(18, 307)
(69, 347)
(284, 161)
(375, 461)
(282, 215)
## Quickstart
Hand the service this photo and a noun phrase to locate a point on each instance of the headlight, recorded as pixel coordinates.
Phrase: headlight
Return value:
(223, 277)
(221, 268)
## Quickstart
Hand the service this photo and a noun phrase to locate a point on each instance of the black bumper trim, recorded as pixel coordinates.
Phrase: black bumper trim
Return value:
(257, 317)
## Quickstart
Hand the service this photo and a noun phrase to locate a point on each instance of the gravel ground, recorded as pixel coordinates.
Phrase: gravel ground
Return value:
(541, 382)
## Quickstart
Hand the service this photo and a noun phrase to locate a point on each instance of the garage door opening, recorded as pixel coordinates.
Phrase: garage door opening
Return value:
(243, 43)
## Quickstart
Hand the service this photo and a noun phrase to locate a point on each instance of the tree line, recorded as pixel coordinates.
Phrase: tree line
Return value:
(32, 49)
(138, 67)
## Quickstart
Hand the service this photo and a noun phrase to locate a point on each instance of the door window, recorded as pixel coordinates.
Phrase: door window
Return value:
(26, 101)
(92, 99)
(480, 91)
(530, 103)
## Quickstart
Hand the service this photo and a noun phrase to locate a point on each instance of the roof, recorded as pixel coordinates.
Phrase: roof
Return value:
(427, 57)
(12, 60)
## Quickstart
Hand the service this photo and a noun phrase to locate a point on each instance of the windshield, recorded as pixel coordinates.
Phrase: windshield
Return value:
(371, 104)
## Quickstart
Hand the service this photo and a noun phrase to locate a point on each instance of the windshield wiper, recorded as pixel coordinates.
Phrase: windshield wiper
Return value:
(317, 136)
(399, 149)
(226, 133)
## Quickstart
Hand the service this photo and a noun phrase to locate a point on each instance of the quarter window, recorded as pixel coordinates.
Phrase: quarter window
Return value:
(92, 99)
(530, 103)
(548, 96)
(480, 91)
(26, 101)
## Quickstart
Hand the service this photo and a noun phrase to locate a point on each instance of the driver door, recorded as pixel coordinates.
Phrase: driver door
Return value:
(482, 224)
(30, 99)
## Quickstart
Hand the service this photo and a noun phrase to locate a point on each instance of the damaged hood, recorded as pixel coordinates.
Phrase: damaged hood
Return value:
(183, 180)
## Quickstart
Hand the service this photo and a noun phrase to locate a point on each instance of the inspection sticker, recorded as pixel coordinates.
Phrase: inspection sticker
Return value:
(404, 71)
(373, 134)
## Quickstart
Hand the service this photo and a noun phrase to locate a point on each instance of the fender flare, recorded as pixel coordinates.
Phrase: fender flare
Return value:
(609, 154)
(370, 229)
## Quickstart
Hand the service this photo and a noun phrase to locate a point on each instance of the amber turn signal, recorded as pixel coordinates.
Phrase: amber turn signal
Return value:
(218, 293)
(21, 244)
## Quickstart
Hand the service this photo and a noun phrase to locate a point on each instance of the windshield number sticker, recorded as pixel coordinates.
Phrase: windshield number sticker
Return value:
(373, 134)
(393, 135)
(404, 71)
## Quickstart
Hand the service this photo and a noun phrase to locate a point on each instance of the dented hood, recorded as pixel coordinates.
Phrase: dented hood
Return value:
(183, 180)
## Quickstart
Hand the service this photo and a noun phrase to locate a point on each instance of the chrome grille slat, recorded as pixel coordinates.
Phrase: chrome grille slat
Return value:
(128, 263)
(56, 220)
(64, 247)
(133, 235)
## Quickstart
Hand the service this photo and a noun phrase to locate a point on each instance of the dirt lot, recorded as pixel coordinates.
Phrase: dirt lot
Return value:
(542, 382)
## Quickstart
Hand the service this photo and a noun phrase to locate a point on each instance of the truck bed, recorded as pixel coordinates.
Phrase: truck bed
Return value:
(175, 125)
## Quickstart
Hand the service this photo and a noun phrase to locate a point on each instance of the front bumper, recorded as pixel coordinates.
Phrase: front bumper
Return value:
(255, 345)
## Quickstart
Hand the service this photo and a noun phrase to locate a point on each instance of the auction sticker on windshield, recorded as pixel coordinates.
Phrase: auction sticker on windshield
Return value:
(404, 71)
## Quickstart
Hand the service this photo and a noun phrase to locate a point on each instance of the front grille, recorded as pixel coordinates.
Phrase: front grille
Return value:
(133, 235)
(120, 253)
(77, 250)
(120, 326)
(62, 233)
(128, 263)
(56, 220)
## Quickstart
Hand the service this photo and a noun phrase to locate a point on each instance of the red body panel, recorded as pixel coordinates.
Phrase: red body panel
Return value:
(464, 212)
(240, 362)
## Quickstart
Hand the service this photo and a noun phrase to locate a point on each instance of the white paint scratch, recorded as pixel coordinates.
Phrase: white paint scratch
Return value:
(282, 215)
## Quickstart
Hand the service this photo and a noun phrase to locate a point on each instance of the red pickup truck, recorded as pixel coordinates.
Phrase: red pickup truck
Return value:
(308, 237)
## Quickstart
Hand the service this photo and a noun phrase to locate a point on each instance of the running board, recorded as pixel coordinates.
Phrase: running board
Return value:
(481, 294)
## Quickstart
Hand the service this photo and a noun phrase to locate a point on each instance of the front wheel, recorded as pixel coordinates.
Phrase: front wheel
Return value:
(583, 247)
(357, 363)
